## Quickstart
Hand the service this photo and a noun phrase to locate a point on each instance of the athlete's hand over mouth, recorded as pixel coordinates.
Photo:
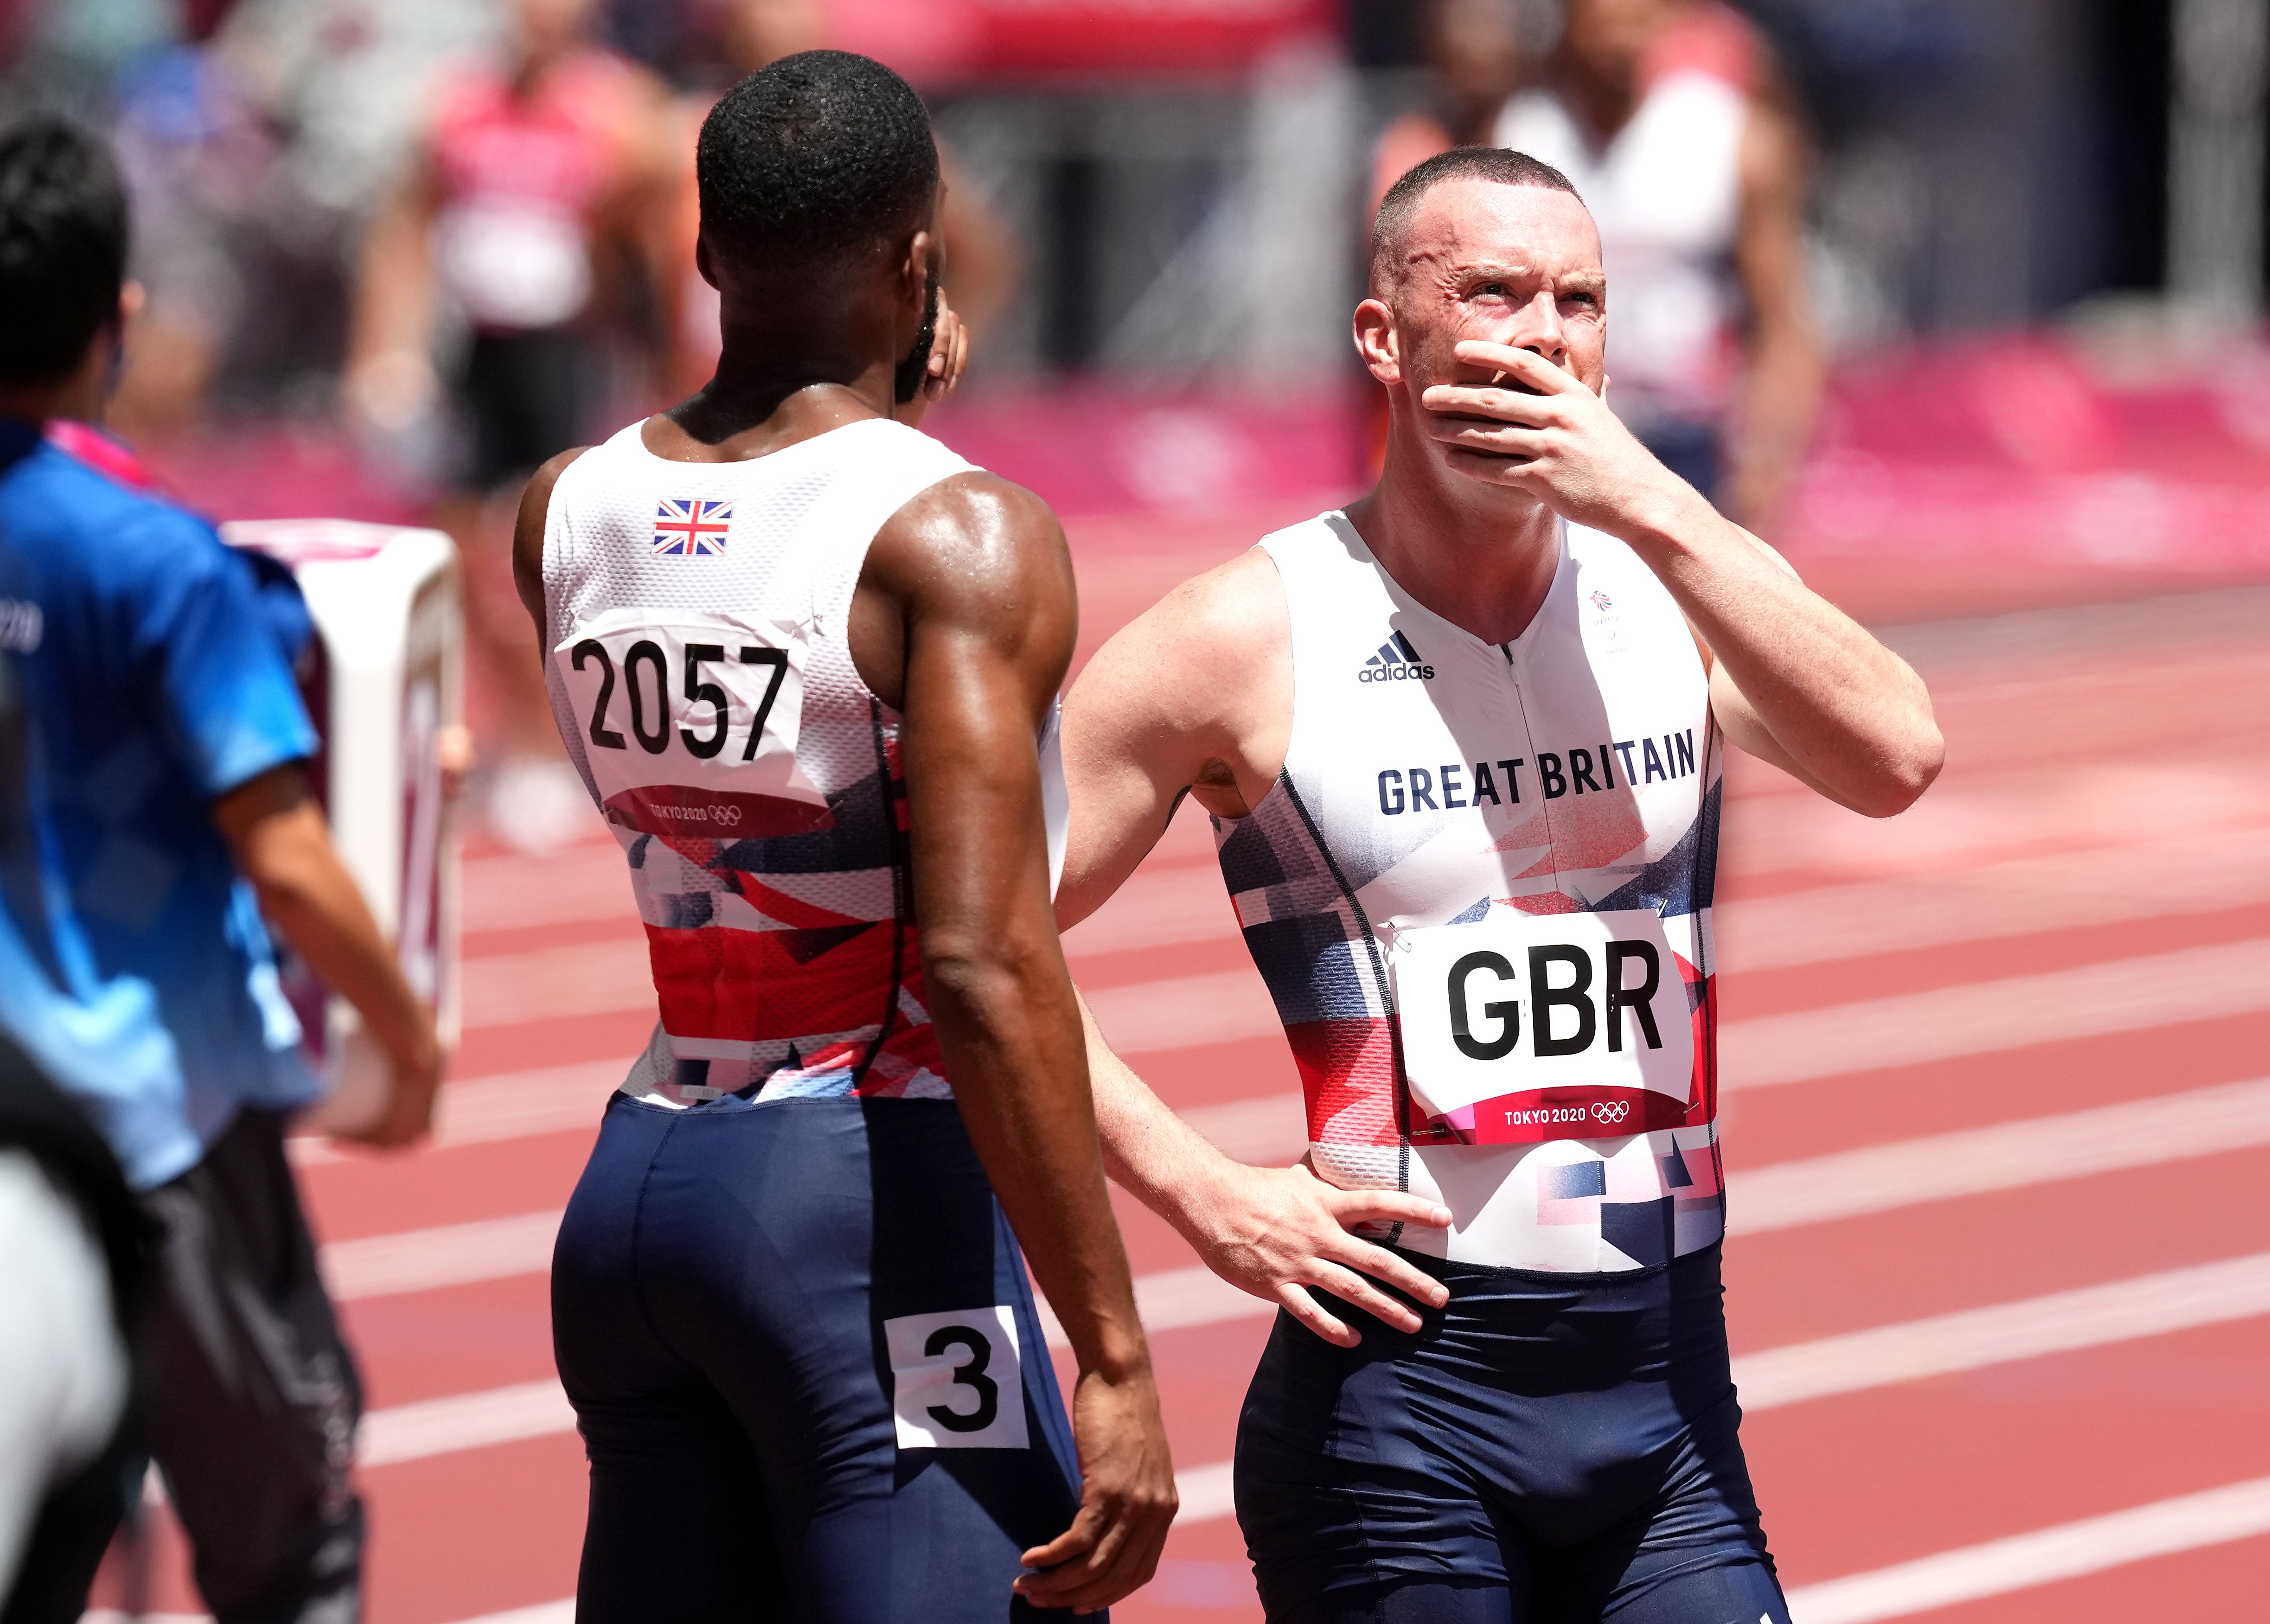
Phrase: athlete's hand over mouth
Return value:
(1127, 1500)
(1542, 431)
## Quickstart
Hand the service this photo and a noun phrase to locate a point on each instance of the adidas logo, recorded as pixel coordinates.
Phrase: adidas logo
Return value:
(1396, 660)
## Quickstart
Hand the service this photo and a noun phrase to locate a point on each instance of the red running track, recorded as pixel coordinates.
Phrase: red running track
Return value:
(2107, 802)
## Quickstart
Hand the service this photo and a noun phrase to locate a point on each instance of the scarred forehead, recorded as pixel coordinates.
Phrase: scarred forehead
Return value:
(1462, 224)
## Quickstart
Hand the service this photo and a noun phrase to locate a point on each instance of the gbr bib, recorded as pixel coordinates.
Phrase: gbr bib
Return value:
(1524, 1027)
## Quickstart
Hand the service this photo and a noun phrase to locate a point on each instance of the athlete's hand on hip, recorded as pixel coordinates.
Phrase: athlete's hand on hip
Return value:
(1541, 430)
(1277, 1232)
(1127, 1499)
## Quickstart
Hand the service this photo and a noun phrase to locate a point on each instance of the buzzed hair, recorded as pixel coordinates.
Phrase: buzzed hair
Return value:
(1500, 164)
(813, 159)
(62, 246)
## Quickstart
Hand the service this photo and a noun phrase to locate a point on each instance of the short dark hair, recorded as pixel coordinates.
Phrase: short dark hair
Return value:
(62, 246)
(814, 158)
(1501, 164)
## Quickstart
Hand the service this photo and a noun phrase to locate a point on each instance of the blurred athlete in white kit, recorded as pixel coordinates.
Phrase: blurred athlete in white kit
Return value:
(1667, 117)
(1462, 743)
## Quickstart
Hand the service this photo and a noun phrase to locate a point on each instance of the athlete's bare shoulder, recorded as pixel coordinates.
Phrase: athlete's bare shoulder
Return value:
(978, 554)
(528, 542)
(1202, 684)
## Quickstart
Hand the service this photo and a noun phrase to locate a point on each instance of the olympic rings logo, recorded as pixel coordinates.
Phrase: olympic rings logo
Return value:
(1611, 1110)
(726, 815)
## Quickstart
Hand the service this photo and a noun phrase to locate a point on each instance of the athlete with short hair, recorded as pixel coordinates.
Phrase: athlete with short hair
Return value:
(1462, 742)
(806, 659)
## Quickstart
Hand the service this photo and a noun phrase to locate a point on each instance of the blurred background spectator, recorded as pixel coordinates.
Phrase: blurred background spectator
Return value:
(530, 243)
(1672, 121)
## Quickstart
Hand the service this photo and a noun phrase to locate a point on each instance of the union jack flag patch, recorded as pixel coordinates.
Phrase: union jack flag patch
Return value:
(685, 530)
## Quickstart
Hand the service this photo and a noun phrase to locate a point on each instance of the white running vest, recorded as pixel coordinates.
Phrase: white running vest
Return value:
(1479, 894)
(701, 679)
(1665, 195)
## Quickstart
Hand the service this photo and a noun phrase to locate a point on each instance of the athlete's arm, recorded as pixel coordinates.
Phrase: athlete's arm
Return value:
(1195, 697)
(389, 371)
(979, 574)
(527, 544)
(1794, 679)
(276, 833)
(1781, 390)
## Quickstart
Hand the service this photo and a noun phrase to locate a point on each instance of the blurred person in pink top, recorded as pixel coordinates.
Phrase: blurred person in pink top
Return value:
(1670, 119)
(537, 204)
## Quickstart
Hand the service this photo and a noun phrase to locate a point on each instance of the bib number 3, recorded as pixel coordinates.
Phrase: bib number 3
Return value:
(689, 721)
(956, 1379)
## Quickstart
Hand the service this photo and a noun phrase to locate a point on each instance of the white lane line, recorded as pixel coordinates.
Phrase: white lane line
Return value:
(2202, 872)
(507, 1105)
(2011, 1155)
(1189, 1012)
(1206, 1492)
(489, 1248)
(435, 1426)
(2175, 1300)
(542, 1613)
(1948, 1023)
(1206, 1489)
(1879, 1178)
(2063, 1322)
(613, 976)
(1184, 1011)
(2068, 1551)
(1995, 1017)
(1996, 1568)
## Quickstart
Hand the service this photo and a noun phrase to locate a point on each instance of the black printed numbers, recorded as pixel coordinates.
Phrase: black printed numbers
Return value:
(701, 693)
(777, 658)
(647, 653)
(972, 1375)
(591, 648)
(645, 679)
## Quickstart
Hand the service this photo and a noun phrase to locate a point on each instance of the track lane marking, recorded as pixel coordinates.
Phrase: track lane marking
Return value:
(1881, 1178)
(1946, 1023)
(1946, 1579)
(2126, 1310)
(2021, 1561)
(1974, 1573)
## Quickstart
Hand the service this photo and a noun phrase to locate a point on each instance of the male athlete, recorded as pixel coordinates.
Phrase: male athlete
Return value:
(804, 658)
(1463, 743)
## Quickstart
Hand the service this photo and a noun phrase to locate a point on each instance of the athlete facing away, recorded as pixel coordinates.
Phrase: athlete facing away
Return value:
(803, 657)
(1462, 743)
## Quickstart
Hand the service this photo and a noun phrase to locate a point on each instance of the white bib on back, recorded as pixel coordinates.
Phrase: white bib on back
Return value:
(701, 679)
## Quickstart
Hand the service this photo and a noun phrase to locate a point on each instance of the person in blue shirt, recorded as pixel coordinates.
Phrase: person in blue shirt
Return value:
(158, 667)
(76, 1259)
